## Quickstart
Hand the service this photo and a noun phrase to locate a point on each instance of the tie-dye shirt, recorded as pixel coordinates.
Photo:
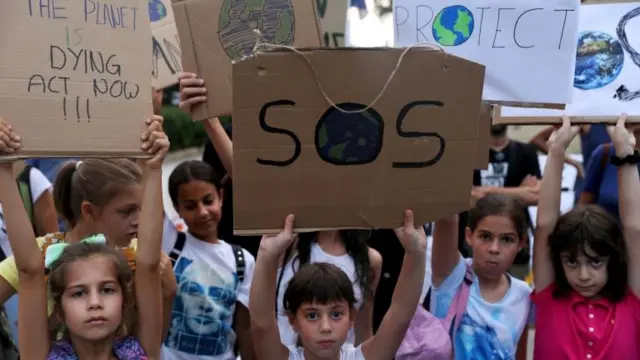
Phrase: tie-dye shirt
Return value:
(488, 331)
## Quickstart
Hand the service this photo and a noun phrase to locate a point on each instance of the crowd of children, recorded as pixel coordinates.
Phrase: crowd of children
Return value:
(123, 282)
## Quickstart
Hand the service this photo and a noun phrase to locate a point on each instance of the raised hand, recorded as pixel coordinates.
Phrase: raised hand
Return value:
(9, 140)
(192, 91)
(412, 239)
(155, 142)
(562, 136)
(623, 140)
(278, 244)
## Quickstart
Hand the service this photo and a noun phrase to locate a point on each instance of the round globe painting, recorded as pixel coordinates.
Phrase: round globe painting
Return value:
(453, 25)
(239, 18)
(349, 138)
(157, 10)
(599, 60)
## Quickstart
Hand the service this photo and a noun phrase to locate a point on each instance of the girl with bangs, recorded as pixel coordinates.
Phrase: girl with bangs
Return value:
(106, 311)
(587, 267)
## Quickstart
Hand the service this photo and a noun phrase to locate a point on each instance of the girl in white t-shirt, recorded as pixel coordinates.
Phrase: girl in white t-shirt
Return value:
(498, 306)
(44, 213)
(210, 311)
(319, 301)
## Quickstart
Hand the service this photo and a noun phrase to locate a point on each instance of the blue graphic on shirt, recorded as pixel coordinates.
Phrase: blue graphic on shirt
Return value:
(475, 341)
(203, 309)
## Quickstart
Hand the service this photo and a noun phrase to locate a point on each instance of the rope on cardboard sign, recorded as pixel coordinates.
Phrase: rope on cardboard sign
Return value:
(269, 46)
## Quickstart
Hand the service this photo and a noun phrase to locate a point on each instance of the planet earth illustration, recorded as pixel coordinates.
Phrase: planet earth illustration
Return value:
(239, 18)
(599, 60)
(453, 25)
(349, 139)
(157, 10)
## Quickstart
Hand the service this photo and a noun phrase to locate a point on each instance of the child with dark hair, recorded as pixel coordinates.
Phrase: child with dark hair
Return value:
(319, 301)
(586, 284)
(498, 305)
(210, 314)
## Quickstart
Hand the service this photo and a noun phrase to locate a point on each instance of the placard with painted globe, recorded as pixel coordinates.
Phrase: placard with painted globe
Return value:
(239, 18)
(453, 25)
(157, 10)
(599, 60)
(349, 138)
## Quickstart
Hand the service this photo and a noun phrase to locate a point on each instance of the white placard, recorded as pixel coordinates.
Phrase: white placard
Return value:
(527, 46)
(608, 63)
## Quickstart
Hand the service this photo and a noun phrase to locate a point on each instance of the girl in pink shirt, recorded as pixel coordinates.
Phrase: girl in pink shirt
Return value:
(586, 267)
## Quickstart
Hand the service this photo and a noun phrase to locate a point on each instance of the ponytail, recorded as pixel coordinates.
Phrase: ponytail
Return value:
(62, 193)
(96, 181)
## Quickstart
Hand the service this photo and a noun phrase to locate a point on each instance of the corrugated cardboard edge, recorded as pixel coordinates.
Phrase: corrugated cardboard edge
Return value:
(189, 60)
(318, 22)
(498, 119)
(21, 155)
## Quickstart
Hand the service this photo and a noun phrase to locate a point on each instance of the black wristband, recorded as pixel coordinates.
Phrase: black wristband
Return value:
(629, 159)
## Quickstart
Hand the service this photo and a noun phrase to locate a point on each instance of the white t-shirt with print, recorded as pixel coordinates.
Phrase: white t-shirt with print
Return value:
(39, 184)
(207, 291)
(347, 352)
(488, 331)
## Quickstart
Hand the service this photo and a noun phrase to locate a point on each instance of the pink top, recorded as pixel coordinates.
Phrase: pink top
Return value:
(576, 328)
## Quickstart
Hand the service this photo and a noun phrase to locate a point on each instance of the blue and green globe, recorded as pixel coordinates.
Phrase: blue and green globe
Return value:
(157, 10)
(239, 18)
(349, 138)
(453, 25)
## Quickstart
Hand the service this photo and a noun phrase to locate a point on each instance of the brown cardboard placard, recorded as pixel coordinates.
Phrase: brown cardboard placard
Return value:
(295, 153)
(72, 81)
(484, 136)
(333, 20)
(166, 55)
(214, 33)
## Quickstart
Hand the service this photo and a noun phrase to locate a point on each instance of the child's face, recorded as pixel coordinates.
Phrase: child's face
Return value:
(586, 273)
(200, 205)
(92, 300)
(495, 244)
(118, 220)
(323, 328)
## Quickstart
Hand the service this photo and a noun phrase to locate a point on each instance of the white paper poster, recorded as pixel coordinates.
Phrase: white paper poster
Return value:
(527, 46)
(607, 72)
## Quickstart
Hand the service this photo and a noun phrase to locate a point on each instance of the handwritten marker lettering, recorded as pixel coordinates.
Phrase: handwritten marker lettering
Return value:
(114, 16)
(49, 9)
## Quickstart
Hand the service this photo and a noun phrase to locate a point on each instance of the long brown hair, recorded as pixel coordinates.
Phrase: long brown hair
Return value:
(57, 281)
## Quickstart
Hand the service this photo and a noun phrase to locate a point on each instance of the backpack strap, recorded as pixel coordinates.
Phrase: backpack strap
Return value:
(174, 255)
(240, 262)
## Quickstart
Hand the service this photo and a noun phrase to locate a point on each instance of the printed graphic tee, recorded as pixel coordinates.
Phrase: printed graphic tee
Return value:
(207, 292)
(488, 331)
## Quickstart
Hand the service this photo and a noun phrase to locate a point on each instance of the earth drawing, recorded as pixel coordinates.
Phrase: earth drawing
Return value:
(599, 60)
(157, 10)
(453, 25)
(239, 18)
(349, 139)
